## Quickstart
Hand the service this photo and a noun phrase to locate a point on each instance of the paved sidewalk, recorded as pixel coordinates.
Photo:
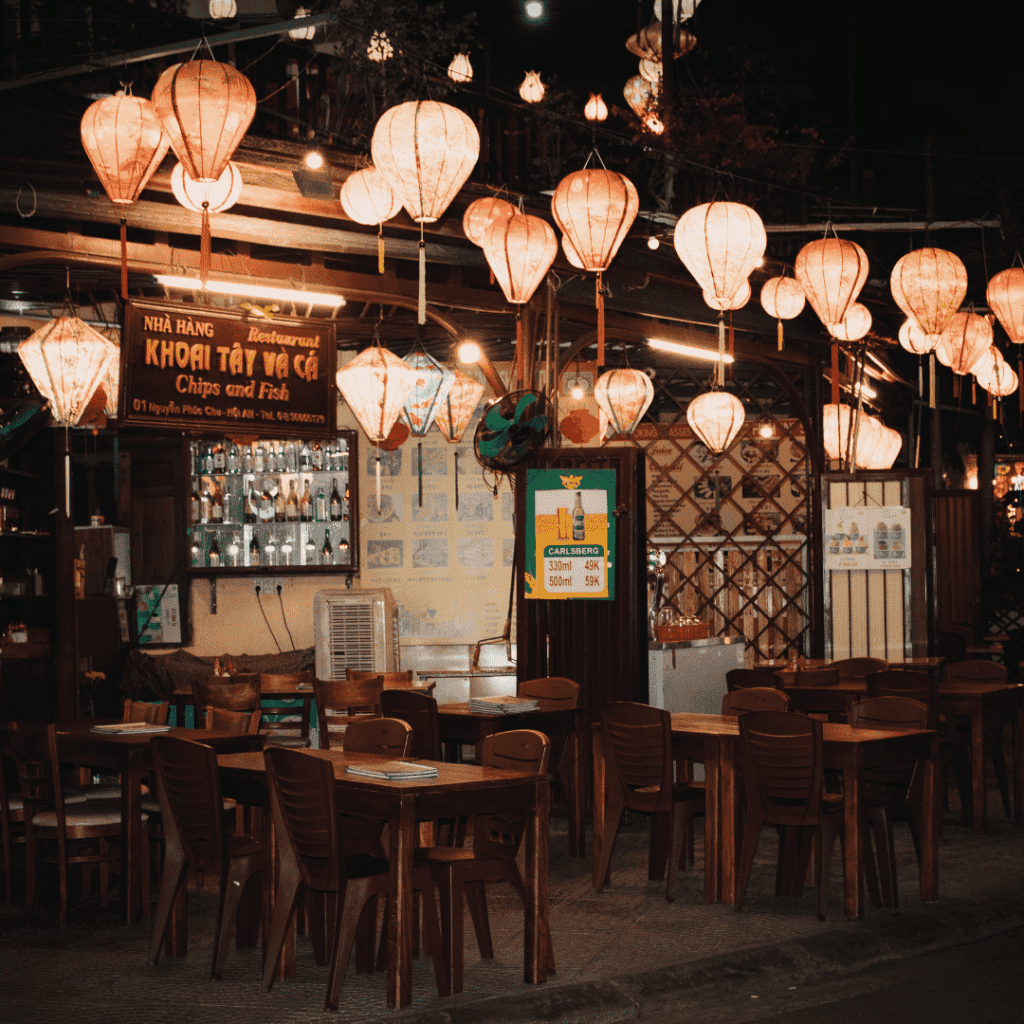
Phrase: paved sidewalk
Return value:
(625, 953)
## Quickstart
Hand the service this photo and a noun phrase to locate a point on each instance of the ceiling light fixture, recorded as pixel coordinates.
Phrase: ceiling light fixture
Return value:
(689, 350)
(534, 9)
(469, 352)
(314, 160)
(253, 291)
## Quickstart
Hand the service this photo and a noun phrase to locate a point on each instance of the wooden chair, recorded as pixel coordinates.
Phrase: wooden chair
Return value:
(339, 703)
(552, 693)
(188, 786)
(57, 832)
(310, 837)
(858, 668)
(637, 742)
(386, 737)
(920, 686)
(460, 874)
(392, 680)
(754, 698)
(419, 712)
(815, 676)
(782, 770)
(244, 722)
(744, 678)
(289, 724)
(238, 693)
(887, 789)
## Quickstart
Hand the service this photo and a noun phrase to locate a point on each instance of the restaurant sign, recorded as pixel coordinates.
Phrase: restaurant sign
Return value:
(867, 538)
(570, 534)
(214, 370)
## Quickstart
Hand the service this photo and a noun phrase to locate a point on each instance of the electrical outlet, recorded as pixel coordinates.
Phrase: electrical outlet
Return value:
(267, 585)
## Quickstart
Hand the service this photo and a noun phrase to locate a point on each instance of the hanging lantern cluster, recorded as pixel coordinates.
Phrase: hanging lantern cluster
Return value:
(532, 88)
(623, 396)
(426, 150)
(877, 445)
(716, 418)
(67, 360)
(368, 198)
(994, 373)
(595, 208)
(125, 142)
(460, 70)
(783, 299)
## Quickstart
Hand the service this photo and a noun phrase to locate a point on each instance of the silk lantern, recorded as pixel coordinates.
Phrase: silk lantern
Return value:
(205, 108)
(481, 214)
(831, 272)
(855, 325)
(125, 143)
(647, 42)
(367, 198)
(738, 301)
(835, 429)
(885, 445)
(913, 339)
(222, 9)
(66, 360)
(929, 285)
(966, 336)
(460, 70)
(623, 396)
(651, 70)
(682, 10)
(111, 382)
(641, 95)
(424, 401)
(197, 196)
(869, 442)
(943, 353)
(890, 448)
(532, 89)
(571, 254)
(716, 417)
(303, 31)
(1005, 295)
(595, 209)
(426, 150)
(596, 108)
(783, 299)
(456, 411)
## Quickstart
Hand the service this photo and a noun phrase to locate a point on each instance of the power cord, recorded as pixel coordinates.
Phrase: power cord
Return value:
(265, 619)
(283, 617)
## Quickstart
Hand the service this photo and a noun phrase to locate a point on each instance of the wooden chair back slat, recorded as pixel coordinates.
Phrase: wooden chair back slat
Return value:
(754, 698)
(919, 686)
(386, 737)
(284, 682)
(552, 693)
(638, 749)
(144, 711)
(858, 668)
(334, 696)
(978, 670)
(246, 723)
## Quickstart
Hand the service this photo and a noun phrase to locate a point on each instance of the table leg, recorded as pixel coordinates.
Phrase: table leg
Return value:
(131, 831)
(401, 828)
(729, 816)
(978, 797)
(930, 817)
(853, 863)
(1018, 764)
(535, 945)
(712, 820)
(597, 750)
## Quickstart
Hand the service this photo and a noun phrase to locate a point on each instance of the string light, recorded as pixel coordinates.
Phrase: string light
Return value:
(689, 350)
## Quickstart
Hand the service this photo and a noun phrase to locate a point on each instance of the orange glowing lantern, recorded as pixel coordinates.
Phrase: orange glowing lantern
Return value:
(623, 396)
(1005, 295)
(367, 198)
(929, 285)
(596, 108)
(481, 215)
(715, 417)
(197, 196)
(738, 301)
(571, 254)
(836, 420)
(641, 95)
(831, 271)
(457, 409)
(532, 88)
(595, 209)
(855, 324)
(647, 42)
(784, 299)
(913, 339)
(125, 143)
(966, 337)
(460, 70)
(870, 442)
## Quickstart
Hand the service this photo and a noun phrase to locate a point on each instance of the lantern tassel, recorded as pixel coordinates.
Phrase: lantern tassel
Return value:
(920, 378)
(732, 348)
(600, 321)
(780, 336)
(974, 391)
(380, 250)
(378, 481)
(720, 369)
(204, 246)
(931, 380)
(835, 373)
(456, 481)
(423, 282)
(124, 257)
(420, 447)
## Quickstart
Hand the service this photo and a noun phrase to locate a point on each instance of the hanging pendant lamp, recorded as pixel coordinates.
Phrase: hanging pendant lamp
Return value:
(367, 198)
(460, 70)
(783, 299)
(623, 396)
(716, 418)
(1005, 295)
(125, 143)
(854, 326)
(532, 88)
(595, 208)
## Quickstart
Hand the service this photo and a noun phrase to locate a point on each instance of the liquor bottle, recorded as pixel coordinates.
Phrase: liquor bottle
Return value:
(208, 458)
(578, 528)
(335, 502)
(291, 505)
(280, 505)
(271, 457)
(234, 463)
(216, 666)
(310, 551)
(305, 458)
(291, 458)
(344, 459)
(259, 459)
(286, 549)
(216, 505)
(234, 553)
(205, 505)
(252, 504)
(320, 507)
(327, 552)
(306, 505)
(220, 460)
(270, 551)
(316, 456)
(248, 462)
(214, 559)
(266, 507)
(254, 551)
(343, 552)
(345, 505)
(194, 507)
(196, 551)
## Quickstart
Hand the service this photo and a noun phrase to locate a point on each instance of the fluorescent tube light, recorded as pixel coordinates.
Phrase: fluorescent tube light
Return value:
(689, 350)
(252, 290)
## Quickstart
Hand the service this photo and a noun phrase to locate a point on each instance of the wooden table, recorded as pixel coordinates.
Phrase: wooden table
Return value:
(457, 724)
(922, 664)
(715, 738)
(131, 757)
(458, 789)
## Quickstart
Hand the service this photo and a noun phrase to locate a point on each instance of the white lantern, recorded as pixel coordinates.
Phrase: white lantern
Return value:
(967, 336)
(532, 89)
(460, 70)
(376, 384)
(682, 10)
(367, 198)
(835, 428)
(831, 272)
(715, 417)
(217, 196)
(855, 325)
(481, 215)
(222, 9)
(623, 396)
(596, 108)
(738, 301)
(302, 32)
(913, 339)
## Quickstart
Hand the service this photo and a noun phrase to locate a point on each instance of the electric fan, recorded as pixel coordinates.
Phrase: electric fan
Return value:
(512, 429)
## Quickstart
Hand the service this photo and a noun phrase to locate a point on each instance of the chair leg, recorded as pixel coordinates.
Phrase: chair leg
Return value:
(998, 757)
(476, 900)
(751, 835)
(423, 884)
(831, 826)
(877, 893)
(286, 898)
(236, 876)
(349, 916)
(613, 816)
(175, 869)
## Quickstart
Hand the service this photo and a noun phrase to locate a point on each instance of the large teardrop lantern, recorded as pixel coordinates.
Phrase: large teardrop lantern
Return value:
(595, 208)
(1005, 295)
(783, 299)
(835, 429)
(624, 395)
(831, 271)
(205, 108)
(368, 198)
(125, 143)
(715, 417)
(426, 150)
(481, 215)
(966, 337)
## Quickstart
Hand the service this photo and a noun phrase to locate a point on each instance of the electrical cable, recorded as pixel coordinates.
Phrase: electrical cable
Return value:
(267, 621)
(284, 618)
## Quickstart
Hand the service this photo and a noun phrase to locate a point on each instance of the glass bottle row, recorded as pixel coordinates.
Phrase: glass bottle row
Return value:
(226, 457)
(298, 498)
(270, 545)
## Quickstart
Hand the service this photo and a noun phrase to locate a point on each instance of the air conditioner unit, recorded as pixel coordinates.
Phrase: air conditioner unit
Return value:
(355, 629)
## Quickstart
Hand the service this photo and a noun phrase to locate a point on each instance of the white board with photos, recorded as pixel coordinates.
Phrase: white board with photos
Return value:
(867, 537)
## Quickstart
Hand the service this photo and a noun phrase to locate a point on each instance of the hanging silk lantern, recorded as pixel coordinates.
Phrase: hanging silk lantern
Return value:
(967, 335)
(682, 10)
(380, 48)
(836, 420)
(596, 108)
(197, 196)
(995, 374)
(929, 285)
(870, 440)
(367, 198)
(943, 352)
(66, 360)
(783, 299)
(570, 253)
(532, 89)
(595, 208)
(715, 417)
(1005, 295)
(647, 42)
(913, 339)
(460, 70)
(641, 95)
(831, 272)
(205, 108)
(125, 143)
(426, 150)
(457, 409)
(651, 70)
(623, 396)
(425, 400)
(219, 9)
(855, 324)
(738, 301)
(111, 383)
(887, 448)
(481, 214)
(303, 31)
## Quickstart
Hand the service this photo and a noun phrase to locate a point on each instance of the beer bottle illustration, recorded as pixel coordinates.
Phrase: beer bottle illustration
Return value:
(578, 529)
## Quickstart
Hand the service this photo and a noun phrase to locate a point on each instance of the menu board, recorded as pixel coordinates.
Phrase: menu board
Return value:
(226, 371)
(570, 534)
(867, 538)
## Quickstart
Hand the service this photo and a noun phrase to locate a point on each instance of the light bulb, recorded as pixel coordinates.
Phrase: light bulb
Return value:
(766, 430)
(469, 352)
(314, 161)
(577, 392)
(534, 9)
(652, 242)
